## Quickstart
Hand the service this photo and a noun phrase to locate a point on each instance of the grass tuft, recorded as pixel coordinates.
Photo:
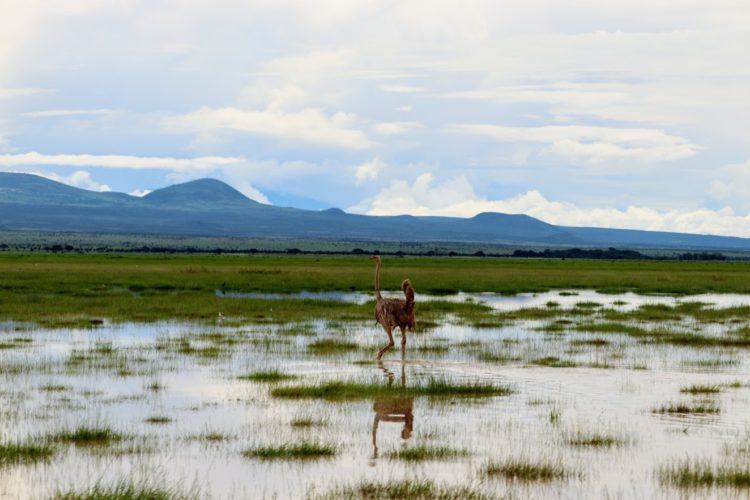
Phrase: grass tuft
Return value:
(526, 470)
(88, 436)
(701, 474)
(363, 390)
(329, 346)
(688, 408)
(423, 452)
(415, 489)
(554, 362)
(158, 419)
(306, 422)
(54, 388)
(210, 436)
(595, 440)
(126, 490)
(701, 389)
(292, 451)
(272, 375)
(24, 453)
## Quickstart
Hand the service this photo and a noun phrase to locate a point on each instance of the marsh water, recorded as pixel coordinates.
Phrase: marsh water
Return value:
(564, 298)
(189, 376)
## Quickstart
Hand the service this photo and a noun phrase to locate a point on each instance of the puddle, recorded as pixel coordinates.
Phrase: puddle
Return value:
(119, 375)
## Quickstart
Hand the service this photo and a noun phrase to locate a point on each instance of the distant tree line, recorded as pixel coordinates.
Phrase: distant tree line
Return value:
(566, 253)
(582, 253)
(612, 254)
(702, 256)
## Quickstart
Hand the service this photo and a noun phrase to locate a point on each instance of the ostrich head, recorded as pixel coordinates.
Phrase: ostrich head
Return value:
(375, 258)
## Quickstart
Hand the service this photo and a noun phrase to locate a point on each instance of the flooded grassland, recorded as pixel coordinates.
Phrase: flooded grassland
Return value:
(569, 394)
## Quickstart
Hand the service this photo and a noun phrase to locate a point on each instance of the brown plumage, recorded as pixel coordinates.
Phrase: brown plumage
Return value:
(392, 313)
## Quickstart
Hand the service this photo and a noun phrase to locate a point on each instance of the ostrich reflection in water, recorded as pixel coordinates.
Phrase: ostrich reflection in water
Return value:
(397, 409)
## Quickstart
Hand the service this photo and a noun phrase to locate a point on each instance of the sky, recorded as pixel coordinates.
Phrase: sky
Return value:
(609, 113)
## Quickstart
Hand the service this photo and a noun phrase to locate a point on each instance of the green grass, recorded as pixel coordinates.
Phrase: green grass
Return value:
(424, 452)
(554, 362)
(595, 342)
(292, 451)
(408, 489)
(701, 474)
(73, 290)
(587, 305)
(210, 436)
(554, 416)
(700, 408)
(24, 453)
(54, 388)
(328, 346)
(158, 419)
(613, 327)
(735, 384)
(337, 390)
(701, 389)
(271, 375)
(155, 386)
(88, 436)
(304, 422)
(209, 351)
(527, 470)
(126, 490)
(494, 357)
(663, 335)
(595, 440)
(16, 343)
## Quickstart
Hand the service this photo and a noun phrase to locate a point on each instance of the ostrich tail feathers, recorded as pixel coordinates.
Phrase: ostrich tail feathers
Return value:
(409, 294)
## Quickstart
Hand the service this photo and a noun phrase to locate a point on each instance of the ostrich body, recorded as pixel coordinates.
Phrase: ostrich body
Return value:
(392, 313)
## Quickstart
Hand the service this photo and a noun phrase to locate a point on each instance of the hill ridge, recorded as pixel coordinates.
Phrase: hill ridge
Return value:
(210, 207)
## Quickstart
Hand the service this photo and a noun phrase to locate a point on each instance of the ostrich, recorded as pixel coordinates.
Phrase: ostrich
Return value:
(391, 313)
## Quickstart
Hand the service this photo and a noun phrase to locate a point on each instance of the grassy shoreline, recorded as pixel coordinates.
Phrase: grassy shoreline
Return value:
(72, 289)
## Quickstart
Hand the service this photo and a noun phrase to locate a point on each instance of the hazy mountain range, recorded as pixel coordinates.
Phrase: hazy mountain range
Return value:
(209, 207)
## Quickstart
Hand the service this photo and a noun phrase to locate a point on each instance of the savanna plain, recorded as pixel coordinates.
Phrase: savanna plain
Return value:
(205, 376)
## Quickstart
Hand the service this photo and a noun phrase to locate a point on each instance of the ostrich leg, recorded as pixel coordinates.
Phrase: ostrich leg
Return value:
(390, 342)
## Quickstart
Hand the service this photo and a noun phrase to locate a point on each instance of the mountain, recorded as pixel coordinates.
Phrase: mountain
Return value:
(208, 207)
(289, 200)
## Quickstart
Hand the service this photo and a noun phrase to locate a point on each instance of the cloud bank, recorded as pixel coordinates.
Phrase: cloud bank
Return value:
(456, 197)
(204, 163)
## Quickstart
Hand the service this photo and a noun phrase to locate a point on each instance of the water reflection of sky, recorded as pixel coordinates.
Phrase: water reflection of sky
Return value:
(204, 395)
(564, 298)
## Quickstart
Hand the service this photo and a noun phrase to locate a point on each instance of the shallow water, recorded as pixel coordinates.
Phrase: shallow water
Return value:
(566, 299)
(106, 376)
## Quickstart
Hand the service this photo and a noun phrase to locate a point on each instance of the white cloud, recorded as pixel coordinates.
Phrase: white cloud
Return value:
(401, 89)
(139, 192)
(654, 102)
(8, 93)
(80, 179)
(594, 144)
(203, 163)
(731, 186)
(395, 128)
(307, 125)
(456, 197)
(69, 112)
(671, 67)
(369, 171)
(244, 187)
(310, 64)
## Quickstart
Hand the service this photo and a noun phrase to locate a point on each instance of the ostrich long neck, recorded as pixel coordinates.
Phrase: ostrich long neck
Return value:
(377, 281)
